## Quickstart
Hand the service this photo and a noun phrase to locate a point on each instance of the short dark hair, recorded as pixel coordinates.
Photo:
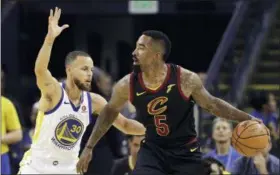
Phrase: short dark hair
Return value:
(71, 56)
(162, 37)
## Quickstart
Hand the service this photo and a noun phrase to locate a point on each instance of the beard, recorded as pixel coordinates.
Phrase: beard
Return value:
(82, 86)
(136, 69)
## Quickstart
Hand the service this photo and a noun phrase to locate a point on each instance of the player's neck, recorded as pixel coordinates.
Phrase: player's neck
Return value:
(73, 92)
(222, 148)
(155, 72)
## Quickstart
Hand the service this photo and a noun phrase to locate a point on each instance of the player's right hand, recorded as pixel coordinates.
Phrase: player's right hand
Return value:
(53, 28)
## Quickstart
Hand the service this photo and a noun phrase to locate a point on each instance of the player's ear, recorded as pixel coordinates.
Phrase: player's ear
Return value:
(68, 69)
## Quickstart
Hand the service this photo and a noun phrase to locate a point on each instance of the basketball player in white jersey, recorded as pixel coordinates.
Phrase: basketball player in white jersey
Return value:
(64, 110)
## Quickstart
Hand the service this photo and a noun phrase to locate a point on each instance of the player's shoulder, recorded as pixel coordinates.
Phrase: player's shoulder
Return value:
(5, 101)
(97, 102)
(187, 75)
(123, 83)
(126, 78)
(185, 71)
(96, 97)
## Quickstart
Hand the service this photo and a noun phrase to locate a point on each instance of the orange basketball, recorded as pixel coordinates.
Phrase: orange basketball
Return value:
(250, 137)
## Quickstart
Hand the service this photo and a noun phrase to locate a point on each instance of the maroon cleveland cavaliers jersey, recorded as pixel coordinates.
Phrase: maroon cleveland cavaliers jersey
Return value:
(166, 112)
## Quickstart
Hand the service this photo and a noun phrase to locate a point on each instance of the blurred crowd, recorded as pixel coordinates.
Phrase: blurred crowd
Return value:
(116, 153)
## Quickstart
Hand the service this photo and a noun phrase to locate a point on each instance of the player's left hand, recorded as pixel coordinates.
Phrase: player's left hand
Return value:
(84, 160)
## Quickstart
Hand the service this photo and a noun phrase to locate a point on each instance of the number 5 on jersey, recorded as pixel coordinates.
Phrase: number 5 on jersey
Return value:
(156, 108)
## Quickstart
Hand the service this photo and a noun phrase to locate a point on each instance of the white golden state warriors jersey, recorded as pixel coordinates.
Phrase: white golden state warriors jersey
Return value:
(59, 131)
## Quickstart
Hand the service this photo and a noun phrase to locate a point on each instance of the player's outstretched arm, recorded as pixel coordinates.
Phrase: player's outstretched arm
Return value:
(110, 111)
(106, 118)
(192, 85)
(122, 123)
(46, 83)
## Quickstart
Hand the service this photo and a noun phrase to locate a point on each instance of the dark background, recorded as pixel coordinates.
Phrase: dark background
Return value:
(195, 37)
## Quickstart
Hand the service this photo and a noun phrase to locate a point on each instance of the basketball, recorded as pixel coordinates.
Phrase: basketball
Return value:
(250, 137)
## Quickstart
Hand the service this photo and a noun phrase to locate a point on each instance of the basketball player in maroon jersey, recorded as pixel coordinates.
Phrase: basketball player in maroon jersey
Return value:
(163, 95)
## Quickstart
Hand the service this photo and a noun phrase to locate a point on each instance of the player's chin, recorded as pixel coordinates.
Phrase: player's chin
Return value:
(136, 63)
(87, 87)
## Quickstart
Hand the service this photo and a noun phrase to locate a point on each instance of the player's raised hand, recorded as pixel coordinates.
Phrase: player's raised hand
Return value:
(84, 160)
(54, 29)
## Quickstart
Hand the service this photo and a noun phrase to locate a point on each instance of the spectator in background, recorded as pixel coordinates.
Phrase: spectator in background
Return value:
(10, 130)
(102, 83)
(33, 117)
(263, 163)
(17, 150)
(264, 105)
(222, 132)
(124, 166)
(276, 148)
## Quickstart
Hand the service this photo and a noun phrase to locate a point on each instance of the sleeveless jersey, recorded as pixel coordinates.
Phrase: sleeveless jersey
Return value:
(166, 112)
(58, 132)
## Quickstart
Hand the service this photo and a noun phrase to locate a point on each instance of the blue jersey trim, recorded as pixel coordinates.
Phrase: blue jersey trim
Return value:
(89, 107)
(58, 104)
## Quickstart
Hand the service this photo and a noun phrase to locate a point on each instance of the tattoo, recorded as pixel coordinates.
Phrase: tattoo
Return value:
(223, 109)
(192, 85)
(110, 112)
(102, 125)
(187, 79)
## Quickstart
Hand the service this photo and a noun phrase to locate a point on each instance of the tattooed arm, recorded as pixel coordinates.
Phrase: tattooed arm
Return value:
(104, 121)
(192, 86)
(127, 126)
(111, 110)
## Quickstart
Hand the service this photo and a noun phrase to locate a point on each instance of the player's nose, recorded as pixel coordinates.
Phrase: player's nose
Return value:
(134, 53)
(89, 74)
